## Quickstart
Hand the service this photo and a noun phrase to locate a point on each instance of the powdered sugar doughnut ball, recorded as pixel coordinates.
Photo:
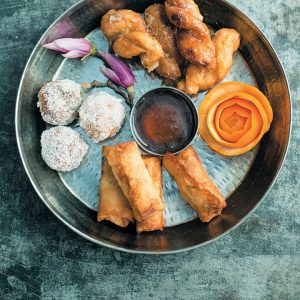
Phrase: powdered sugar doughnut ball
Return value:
(59, 101)
(101, 116)
(62, 148)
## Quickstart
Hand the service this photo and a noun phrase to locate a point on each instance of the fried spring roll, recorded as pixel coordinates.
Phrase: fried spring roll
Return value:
(133, 178)
(194, 184)
(113, 205)
(155, 221)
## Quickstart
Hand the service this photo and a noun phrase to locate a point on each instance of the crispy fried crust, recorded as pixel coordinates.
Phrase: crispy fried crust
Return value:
(159, 27)
(127, 33)
(194, 184)
(117, 22)
(193, 38)
(155, 221)
(130, 171)
(198, 78)
(113, 205)
(140, 43)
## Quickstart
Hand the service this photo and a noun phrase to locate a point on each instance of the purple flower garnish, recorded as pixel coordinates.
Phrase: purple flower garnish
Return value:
(110, 74)
(120, 73)
(72, 48)
(121, 69)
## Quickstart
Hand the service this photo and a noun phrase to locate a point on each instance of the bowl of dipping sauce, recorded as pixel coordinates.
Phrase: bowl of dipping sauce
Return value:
(164, 120)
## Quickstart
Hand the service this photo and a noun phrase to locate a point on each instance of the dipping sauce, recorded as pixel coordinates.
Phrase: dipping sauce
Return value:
(164, 120)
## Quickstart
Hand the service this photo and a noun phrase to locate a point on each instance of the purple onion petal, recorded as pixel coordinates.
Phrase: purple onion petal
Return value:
(122, 70)
(110, 74)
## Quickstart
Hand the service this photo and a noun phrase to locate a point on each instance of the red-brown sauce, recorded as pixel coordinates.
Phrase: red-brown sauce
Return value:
(164, 121)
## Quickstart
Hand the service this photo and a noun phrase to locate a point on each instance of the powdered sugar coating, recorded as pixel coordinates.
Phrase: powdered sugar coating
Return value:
(62, 148)
(101, 116)
(59, 101)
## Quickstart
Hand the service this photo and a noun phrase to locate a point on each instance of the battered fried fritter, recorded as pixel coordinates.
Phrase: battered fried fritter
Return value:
(193, 38)
(158, 26)
(198, 78)
(142, 44)
(117, 22)
(127, 33)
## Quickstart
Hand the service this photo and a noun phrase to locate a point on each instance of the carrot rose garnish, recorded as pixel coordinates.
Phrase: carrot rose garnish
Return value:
(233, 117)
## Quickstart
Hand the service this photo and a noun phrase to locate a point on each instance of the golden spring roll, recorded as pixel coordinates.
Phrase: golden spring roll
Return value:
(113, 205)
(194, 184)
(155, 221)
(130, 171)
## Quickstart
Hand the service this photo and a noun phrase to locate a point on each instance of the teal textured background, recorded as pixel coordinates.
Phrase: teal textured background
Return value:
(41, 258)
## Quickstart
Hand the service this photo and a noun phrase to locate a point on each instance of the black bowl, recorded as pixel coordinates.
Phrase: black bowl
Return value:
(77, 22)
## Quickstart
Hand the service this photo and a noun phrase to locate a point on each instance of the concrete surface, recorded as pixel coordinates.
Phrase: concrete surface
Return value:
(41, 258)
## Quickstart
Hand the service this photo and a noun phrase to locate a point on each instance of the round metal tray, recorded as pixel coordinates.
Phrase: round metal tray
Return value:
(72, 196)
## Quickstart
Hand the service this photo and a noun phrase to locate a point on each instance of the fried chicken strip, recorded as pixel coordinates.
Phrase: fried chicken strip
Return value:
(199, 78)
(193, 38)
(158, 26)
(127, 33)
(194, 184)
